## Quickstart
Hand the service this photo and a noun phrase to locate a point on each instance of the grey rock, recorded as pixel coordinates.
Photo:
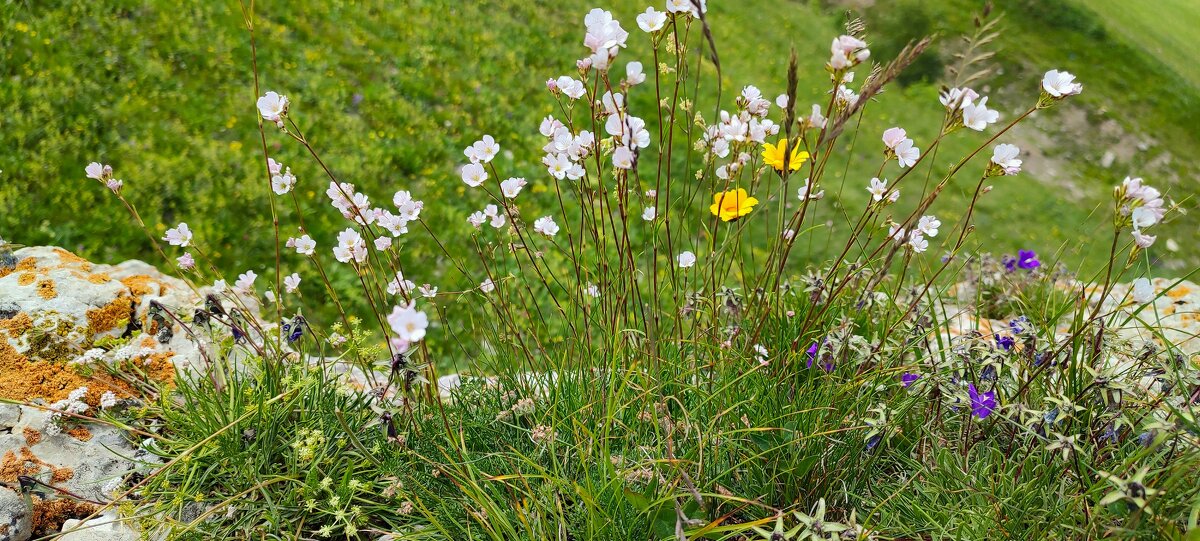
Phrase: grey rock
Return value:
(106, 527)
(15, 517)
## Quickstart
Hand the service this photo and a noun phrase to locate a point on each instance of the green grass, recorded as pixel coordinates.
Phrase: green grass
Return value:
(1162, 29)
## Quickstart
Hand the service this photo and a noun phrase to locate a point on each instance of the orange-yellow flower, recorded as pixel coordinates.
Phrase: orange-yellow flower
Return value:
(773, 155)
(732, 204)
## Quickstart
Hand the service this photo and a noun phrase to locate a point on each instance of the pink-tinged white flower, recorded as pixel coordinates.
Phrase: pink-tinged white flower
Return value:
(353, 205)
(336, 339)
(557, 165)
(179, 236)
(633, 73)
(400, 285)
(603, 32)
(245, 282)
(186, 262)
(892, 137)
(754, 102)
(114, 184)
(474, 174)
(651, 21)
(622, 158)
(291, 282)
(549, 125)
(1005, 157)
(878, 189)
(98, 171)
(804, 192)
(304, 245)
(284, 183)
(1143, 291)
(274, 167)
(686, 6)
(383, 243)
(781, 101)
(977, 116)
(816, 119)
(1060, 84)
(482, 150)
(487, 286)
(789, 234)
(219, 286)
(648, 214)
(409, 208)
(572, 88)
(613, 103)
(546, 226)
(1144, 217)
(428, 291)
(272, 106)
(846, 97)
(512, 187)
(761, 354)
(956, 98)
(408, 323)
(498, 219)
(270, 296)
(928, 225)
(686, 259)
(897, 233)
(917, 242)
(477, 219)
(351, 246)
(847, 51)
(592, 290)
(907, 154)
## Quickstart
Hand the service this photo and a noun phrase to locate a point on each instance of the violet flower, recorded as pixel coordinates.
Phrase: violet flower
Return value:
(982, 404)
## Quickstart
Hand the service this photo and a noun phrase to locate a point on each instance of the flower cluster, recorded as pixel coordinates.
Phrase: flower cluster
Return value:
(1139, 207)
(104, 174)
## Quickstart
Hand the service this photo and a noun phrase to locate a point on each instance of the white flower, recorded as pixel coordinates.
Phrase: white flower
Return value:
(272, 106)
(273, 166)
(408, 323)
(956, 98)
(114, 184)
(789, 234)
(410, 209)
(633, 73)
(97, 171)
(1144, 217)
(350, 246)
(484, 149)
(651, 21)
(686, 259)
(108, 400)
(487, 286)
(291, 282)
(761, 354)
(781, 101)
(592, 290)
(803, 192)
(428, 291)
(400, 285)
(1143, 240)
(511, 187)
(383, 243)
(648, 213)
(186, 262)
(917, 242)
(603, 32)
(893, 137)
(493, 212)
(685, 6)
(1005, 157)
(557, 165)
(816, 119)
(847, 51)
(877, 189)
(477, 219)
(284, 183)
(1060, 84)
(977, 116)
(928, 225)
(179, 236)
(907, 154)
(622, 158)
(474, 174)
(1143, 291)
(245, 281)
(573, 88)
(549, 125)
(305, 245)
(546, 226)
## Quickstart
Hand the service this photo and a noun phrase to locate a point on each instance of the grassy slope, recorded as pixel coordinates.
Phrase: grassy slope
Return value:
(391, 93)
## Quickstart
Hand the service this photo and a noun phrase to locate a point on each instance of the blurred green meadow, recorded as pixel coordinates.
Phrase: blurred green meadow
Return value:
(390, 93)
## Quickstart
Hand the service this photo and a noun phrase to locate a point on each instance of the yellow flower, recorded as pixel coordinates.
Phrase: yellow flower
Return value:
(732, 205)
(773, 155)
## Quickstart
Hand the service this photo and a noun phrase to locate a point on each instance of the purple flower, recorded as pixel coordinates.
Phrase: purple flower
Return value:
(1027, 259)
(813, 351)
(908, 378)
(1005, 342)
(1010, 263)
(982, 405)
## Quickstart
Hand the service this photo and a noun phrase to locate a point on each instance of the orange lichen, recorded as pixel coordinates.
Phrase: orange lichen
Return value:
(32, 436)
(17, 325)
(109, 316)
(49, 515)
(80, 433)
(61, 475)
(69, 257)
(25, 278)
(46, 289)
(24, 379)
(26, 264)
(1178, 292)
(141, 285)
(99, 278)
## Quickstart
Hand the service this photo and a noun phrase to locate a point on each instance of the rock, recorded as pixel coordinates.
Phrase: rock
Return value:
(106, 527)
(10, 415)
(16, 519)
